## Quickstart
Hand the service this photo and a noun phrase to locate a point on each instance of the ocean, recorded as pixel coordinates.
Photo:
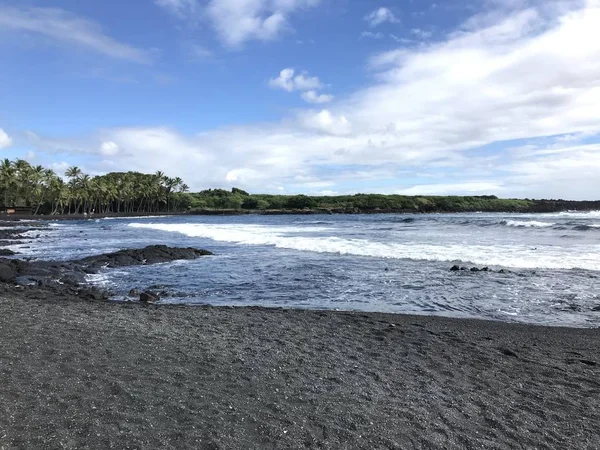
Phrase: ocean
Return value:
(384, 262)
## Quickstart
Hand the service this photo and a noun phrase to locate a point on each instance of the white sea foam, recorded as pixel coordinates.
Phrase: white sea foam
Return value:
(135, 218)
(527, 224)
(299, 238)
(581, 214)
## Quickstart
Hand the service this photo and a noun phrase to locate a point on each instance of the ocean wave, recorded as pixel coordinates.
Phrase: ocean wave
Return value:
(134, 218)
(582, 227)
(405, 220)
(294, 238)
(580, 214)
(526, 224)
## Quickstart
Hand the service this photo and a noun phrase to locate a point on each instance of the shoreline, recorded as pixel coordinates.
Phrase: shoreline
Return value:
(283, 212)
(81, 371)
(116, 375)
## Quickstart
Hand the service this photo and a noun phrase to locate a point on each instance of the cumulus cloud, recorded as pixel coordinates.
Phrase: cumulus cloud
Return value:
(5, 140)
(381, 15)
(238, 21)
(68, 28)
(288, 81)
(316, 98)
(326, 122)
(430, 115)
(109, 148)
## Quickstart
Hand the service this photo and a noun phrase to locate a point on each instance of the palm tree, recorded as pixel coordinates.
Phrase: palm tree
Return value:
(73, 172)
(20, 183)
(7, 179)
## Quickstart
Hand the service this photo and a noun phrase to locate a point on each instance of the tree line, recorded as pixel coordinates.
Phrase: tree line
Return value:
(22, 184)
(41, 189)
(240, 201)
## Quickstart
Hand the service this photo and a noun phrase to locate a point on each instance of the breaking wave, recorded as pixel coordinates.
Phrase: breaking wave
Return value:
(304, 239)
(526, 224)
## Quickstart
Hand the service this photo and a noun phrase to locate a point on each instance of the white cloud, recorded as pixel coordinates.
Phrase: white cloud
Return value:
(60, 168)
(402, 40)
(421, 34)
(5, 140)
(468, 188)
(109, 148)
(316, 98)
(68, 28)
(290, 82)
(523, 76)
(238, 21)
(381, 15)
(370, 34)
(326, 122)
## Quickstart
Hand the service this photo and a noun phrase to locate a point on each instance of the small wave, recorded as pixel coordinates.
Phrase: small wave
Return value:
(526, 224)
(580, 214)
(134, 218)
(586, 227)
(403, 220)
(313, 222)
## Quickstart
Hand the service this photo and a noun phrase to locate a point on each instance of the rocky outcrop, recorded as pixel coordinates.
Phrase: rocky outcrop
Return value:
(456, 268)
(57, 280)
(152, 254)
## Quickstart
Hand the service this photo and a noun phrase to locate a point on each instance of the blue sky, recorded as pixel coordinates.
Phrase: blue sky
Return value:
(315, 96)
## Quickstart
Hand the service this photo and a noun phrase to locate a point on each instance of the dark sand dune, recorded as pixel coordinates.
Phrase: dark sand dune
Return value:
(98, 375)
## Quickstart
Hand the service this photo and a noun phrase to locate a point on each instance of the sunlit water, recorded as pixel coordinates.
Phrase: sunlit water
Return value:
(390, 263)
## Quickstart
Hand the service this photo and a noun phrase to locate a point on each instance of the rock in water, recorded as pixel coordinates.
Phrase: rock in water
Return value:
(134, 293)
(152, 254)
(149, 297)
(474, 269)
(454, 268)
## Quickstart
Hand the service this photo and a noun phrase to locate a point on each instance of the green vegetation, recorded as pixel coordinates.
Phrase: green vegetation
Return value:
(46, 193)
(237, 200)
(132, 192)
(364, 203)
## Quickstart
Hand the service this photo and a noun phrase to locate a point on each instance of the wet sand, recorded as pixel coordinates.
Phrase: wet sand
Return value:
(101, 375)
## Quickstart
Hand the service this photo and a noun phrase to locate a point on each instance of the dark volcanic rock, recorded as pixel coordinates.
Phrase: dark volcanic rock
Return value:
(6, 252)
(455, 268)
(7, 273)
(475, 269)
(153, 254)
(134, 293)
(149, 297)
(95, 294)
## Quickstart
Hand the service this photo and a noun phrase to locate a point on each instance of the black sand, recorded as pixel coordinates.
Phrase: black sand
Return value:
(100, 375)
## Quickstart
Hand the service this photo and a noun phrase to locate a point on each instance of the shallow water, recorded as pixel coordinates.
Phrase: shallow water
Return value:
(390, 263)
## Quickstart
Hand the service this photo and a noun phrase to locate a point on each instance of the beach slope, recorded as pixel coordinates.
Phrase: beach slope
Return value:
(102, 375)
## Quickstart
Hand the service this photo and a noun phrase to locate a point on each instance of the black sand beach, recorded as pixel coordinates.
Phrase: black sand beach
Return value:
(77, 371)
(100, 375)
